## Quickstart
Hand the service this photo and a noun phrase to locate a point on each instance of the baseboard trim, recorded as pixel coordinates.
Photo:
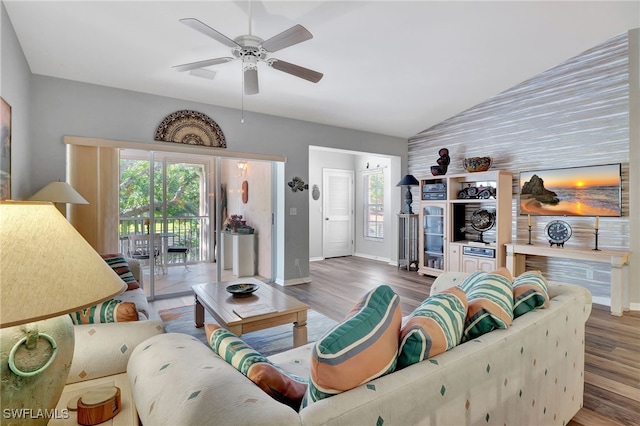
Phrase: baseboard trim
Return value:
(605, 301)
(378, 258)
(316, 259)
(295, 281)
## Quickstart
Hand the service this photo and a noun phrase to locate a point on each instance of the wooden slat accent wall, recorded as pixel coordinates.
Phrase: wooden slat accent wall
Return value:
(575, 114)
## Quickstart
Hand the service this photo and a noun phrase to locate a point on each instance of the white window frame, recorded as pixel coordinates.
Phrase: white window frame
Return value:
(379, 225)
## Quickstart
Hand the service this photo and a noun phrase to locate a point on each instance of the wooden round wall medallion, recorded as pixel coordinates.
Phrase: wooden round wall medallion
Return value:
(245, 192)
(191, 128)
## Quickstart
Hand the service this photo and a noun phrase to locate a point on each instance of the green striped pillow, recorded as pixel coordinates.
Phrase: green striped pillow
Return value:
(529, 292)
(109, 311)
(284, 387)
(361, 348)
(433, 327)
(490, 298)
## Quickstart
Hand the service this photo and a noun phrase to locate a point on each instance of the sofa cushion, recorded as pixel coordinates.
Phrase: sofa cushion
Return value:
(121, 267)
(529, 292)
(490, 298)
(109, 311)
(433, 327)
(280, 385)
(364, 346)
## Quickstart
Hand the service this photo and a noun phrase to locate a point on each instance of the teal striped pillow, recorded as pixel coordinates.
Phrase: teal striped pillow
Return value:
(282, 386)
(110, 311)
(529, 292)
(361, 348)
(490, 298)
(433, 327)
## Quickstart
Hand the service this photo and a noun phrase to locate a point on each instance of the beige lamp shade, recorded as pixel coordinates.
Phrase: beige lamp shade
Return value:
(59, 192)
(46, 267)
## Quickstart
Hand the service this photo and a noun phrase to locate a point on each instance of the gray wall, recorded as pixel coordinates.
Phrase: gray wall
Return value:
(319, 159)
(62, 107)
(16, 90)
(575, 114)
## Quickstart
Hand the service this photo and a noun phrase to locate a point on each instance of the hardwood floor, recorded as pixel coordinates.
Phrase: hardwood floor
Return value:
(612, 366)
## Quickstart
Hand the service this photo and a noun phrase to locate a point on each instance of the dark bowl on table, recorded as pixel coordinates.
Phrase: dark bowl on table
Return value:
(242, 290)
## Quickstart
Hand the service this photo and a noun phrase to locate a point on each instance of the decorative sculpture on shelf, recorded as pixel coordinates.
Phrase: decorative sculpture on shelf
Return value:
(443, 163)
(297, 184)
(235, 225)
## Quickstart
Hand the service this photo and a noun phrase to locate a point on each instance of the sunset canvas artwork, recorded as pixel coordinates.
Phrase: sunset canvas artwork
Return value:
(578, 191)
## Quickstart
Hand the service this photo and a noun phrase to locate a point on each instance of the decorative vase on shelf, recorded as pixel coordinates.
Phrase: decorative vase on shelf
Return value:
(477, 164)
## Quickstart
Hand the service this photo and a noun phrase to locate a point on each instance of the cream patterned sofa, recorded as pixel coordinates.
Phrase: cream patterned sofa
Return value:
(529, 374)
(104, 349)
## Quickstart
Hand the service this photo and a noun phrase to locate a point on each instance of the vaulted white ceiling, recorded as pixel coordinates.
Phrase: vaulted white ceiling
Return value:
(390, 67)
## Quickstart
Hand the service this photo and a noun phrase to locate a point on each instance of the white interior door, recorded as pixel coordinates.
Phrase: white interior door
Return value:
(337, 229)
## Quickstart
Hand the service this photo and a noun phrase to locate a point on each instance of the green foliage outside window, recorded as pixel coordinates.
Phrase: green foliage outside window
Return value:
(183, 188)
(374, 205)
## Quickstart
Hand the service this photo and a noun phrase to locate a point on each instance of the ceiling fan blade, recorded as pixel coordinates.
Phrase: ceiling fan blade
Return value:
(201, 64)
(294, 35)
(208, 31)
(251, 81)
(297, 70)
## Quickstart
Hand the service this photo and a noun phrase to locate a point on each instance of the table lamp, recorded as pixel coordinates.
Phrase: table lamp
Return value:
(408, 181)
(47, 270)
(59, 193)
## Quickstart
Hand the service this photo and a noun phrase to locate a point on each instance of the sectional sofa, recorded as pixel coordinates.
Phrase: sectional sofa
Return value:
(530, 373)
(104, 349)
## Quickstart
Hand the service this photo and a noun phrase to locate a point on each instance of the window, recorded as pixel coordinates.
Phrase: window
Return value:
(374, 205)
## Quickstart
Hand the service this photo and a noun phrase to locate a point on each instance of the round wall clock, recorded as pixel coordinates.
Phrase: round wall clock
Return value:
(558, 232)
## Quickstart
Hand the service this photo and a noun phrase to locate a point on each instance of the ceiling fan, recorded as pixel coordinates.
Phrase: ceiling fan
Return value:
(251, 50)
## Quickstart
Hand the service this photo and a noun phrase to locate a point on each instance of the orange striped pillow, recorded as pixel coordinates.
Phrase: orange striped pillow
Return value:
(433, 327)
(277, 383)
(110, 311)
(490, 299)
(361, 348)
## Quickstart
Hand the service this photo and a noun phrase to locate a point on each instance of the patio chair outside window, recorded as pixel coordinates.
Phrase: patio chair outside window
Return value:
(140, 248)
(180, 245)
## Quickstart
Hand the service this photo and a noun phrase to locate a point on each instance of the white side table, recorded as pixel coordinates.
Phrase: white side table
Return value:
(244, 262)
(126, 417)
(226, 257)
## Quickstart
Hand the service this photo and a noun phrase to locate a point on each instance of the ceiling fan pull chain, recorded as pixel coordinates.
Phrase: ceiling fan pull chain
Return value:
(250, 16)
(242, 97)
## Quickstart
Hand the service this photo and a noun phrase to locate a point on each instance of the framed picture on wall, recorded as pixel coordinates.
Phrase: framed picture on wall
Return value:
(574, 191)
(5, 150)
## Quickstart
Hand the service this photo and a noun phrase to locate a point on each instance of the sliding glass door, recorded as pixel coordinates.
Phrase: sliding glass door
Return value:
(178, 232)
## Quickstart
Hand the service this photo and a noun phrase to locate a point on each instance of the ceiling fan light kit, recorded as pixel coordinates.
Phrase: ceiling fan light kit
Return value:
(250, 50)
